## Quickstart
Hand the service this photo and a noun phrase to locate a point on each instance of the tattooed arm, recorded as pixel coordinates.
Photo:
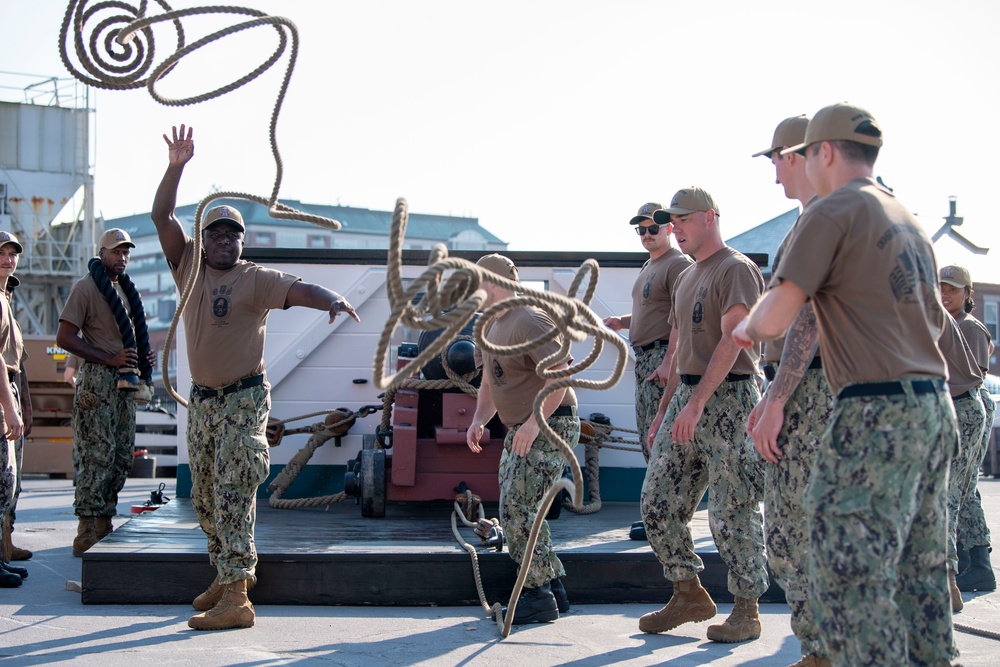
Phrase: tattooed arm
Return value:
(800, 347)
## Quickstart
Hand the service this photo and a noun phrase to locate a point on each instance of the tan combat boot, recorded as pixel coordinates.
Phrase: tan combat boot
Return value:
(233, 610)
(5, 544)
(743, 623)
(211, 597)
(86, 536)
(813, 661)
(102, 527)
(956, 595)
(690, 603)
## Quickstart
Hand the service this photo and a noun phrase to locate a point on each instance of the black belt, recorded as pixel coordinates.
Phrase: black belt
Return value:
(244, 383)
(968, 394)
(651, 346)
(891, 388)
(564, 411)
(732, 377)
(771, 367)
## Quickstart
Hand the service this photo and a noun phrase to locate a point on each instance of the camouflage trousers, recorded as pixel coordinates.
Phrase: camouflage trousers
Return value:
(647, 394)
(972, 530)
(721, 458)
(103, 439)
(11, 457)
(229, 459)
(971, 422)
(807, 414)
(876, 503)
(524, 481)
(8, 471)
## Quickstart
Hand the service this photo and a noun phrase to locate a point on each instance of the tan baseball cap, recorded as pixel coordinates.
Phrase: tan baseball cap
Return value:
(840, 122)
(223, 213)
(686, 201)
(115, 237)
(789, 132)
(500, 265)
(7, 237)
(645, 212)
(957, 276)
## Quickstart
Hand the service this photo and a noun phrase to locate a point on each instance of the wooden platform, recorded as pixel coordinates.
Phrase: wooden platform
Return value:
(333, 556)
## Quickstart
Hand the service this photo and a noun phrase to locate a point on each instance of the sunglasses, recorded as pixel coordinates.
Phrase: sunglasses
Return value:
(652, 229)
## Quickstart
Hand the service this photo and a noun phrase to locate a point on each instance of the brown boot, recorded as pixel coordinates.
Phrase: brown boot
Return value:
(743, 623)
(690, 603)
(11, 552)
(233, 610)
(211, 597)
(102, 527)
(813, 661)
(956, 595)
(5, 544)
(86, 536)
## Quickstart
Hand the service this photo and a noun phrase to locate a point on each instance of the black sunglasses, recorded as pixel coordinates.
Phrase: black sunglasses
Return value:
(652, 229)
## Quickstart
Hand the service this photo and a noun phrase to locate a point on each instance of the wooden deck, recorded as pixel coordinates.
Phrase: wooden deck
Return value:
(333, 556)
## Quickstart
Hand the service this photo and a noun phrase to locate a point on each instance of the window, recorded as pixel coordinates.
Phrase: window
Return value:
(263, 239)
(318, 241)
(991, 317)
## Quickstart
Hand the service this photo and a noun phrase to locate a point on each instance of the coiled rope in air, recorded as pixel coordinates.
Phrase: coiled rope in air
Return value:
(451, 296)
(119, 55)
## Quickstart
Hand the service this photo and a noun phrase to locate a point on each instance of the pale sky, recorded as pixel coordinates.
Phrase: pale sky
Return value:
(553, 121)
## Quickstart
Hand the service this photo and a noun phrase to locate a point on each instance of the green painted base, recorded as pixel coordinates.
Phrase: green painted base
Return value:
(617, 484)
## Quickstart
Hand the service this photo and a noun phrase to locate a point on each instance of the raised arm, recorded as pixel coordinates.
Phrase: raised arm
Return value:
(168, 227)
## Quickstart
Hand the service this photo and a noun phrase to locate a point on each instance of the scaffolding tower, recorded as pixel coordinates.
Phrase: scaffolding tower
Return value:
(46, 190)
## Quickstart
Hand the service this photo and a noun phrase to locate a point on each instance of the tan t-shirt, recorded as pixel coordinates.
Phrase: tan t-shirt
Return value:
(651, 297)
(963, 373)
(870, 270)
(226, 317)
(88, 310)
(978, 338)
(703, 293)
(514, 382)
(10, 337)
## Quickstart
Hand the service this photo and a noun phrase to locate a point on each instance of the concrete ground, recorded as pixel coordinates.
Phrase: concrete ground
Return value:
(43, 621)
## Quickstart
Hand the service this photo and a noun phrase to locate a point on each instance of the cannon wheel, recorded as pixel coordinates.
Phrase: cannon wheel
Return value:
(373, 483)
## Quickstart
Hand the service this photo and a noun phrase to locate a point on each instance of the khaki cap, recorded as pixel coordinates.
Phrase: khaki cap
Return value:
(500, 265)
(957, 276)
(840, 122)
(645, 212)
(114, 238)
(219, 214)
(687, 201)
(7, 237)
(789, 132)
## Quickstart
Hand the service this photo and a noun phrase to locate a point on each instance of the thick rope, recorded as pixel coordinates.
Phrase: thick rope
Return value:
(450, 302)
(119, 56)
(135, 335)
